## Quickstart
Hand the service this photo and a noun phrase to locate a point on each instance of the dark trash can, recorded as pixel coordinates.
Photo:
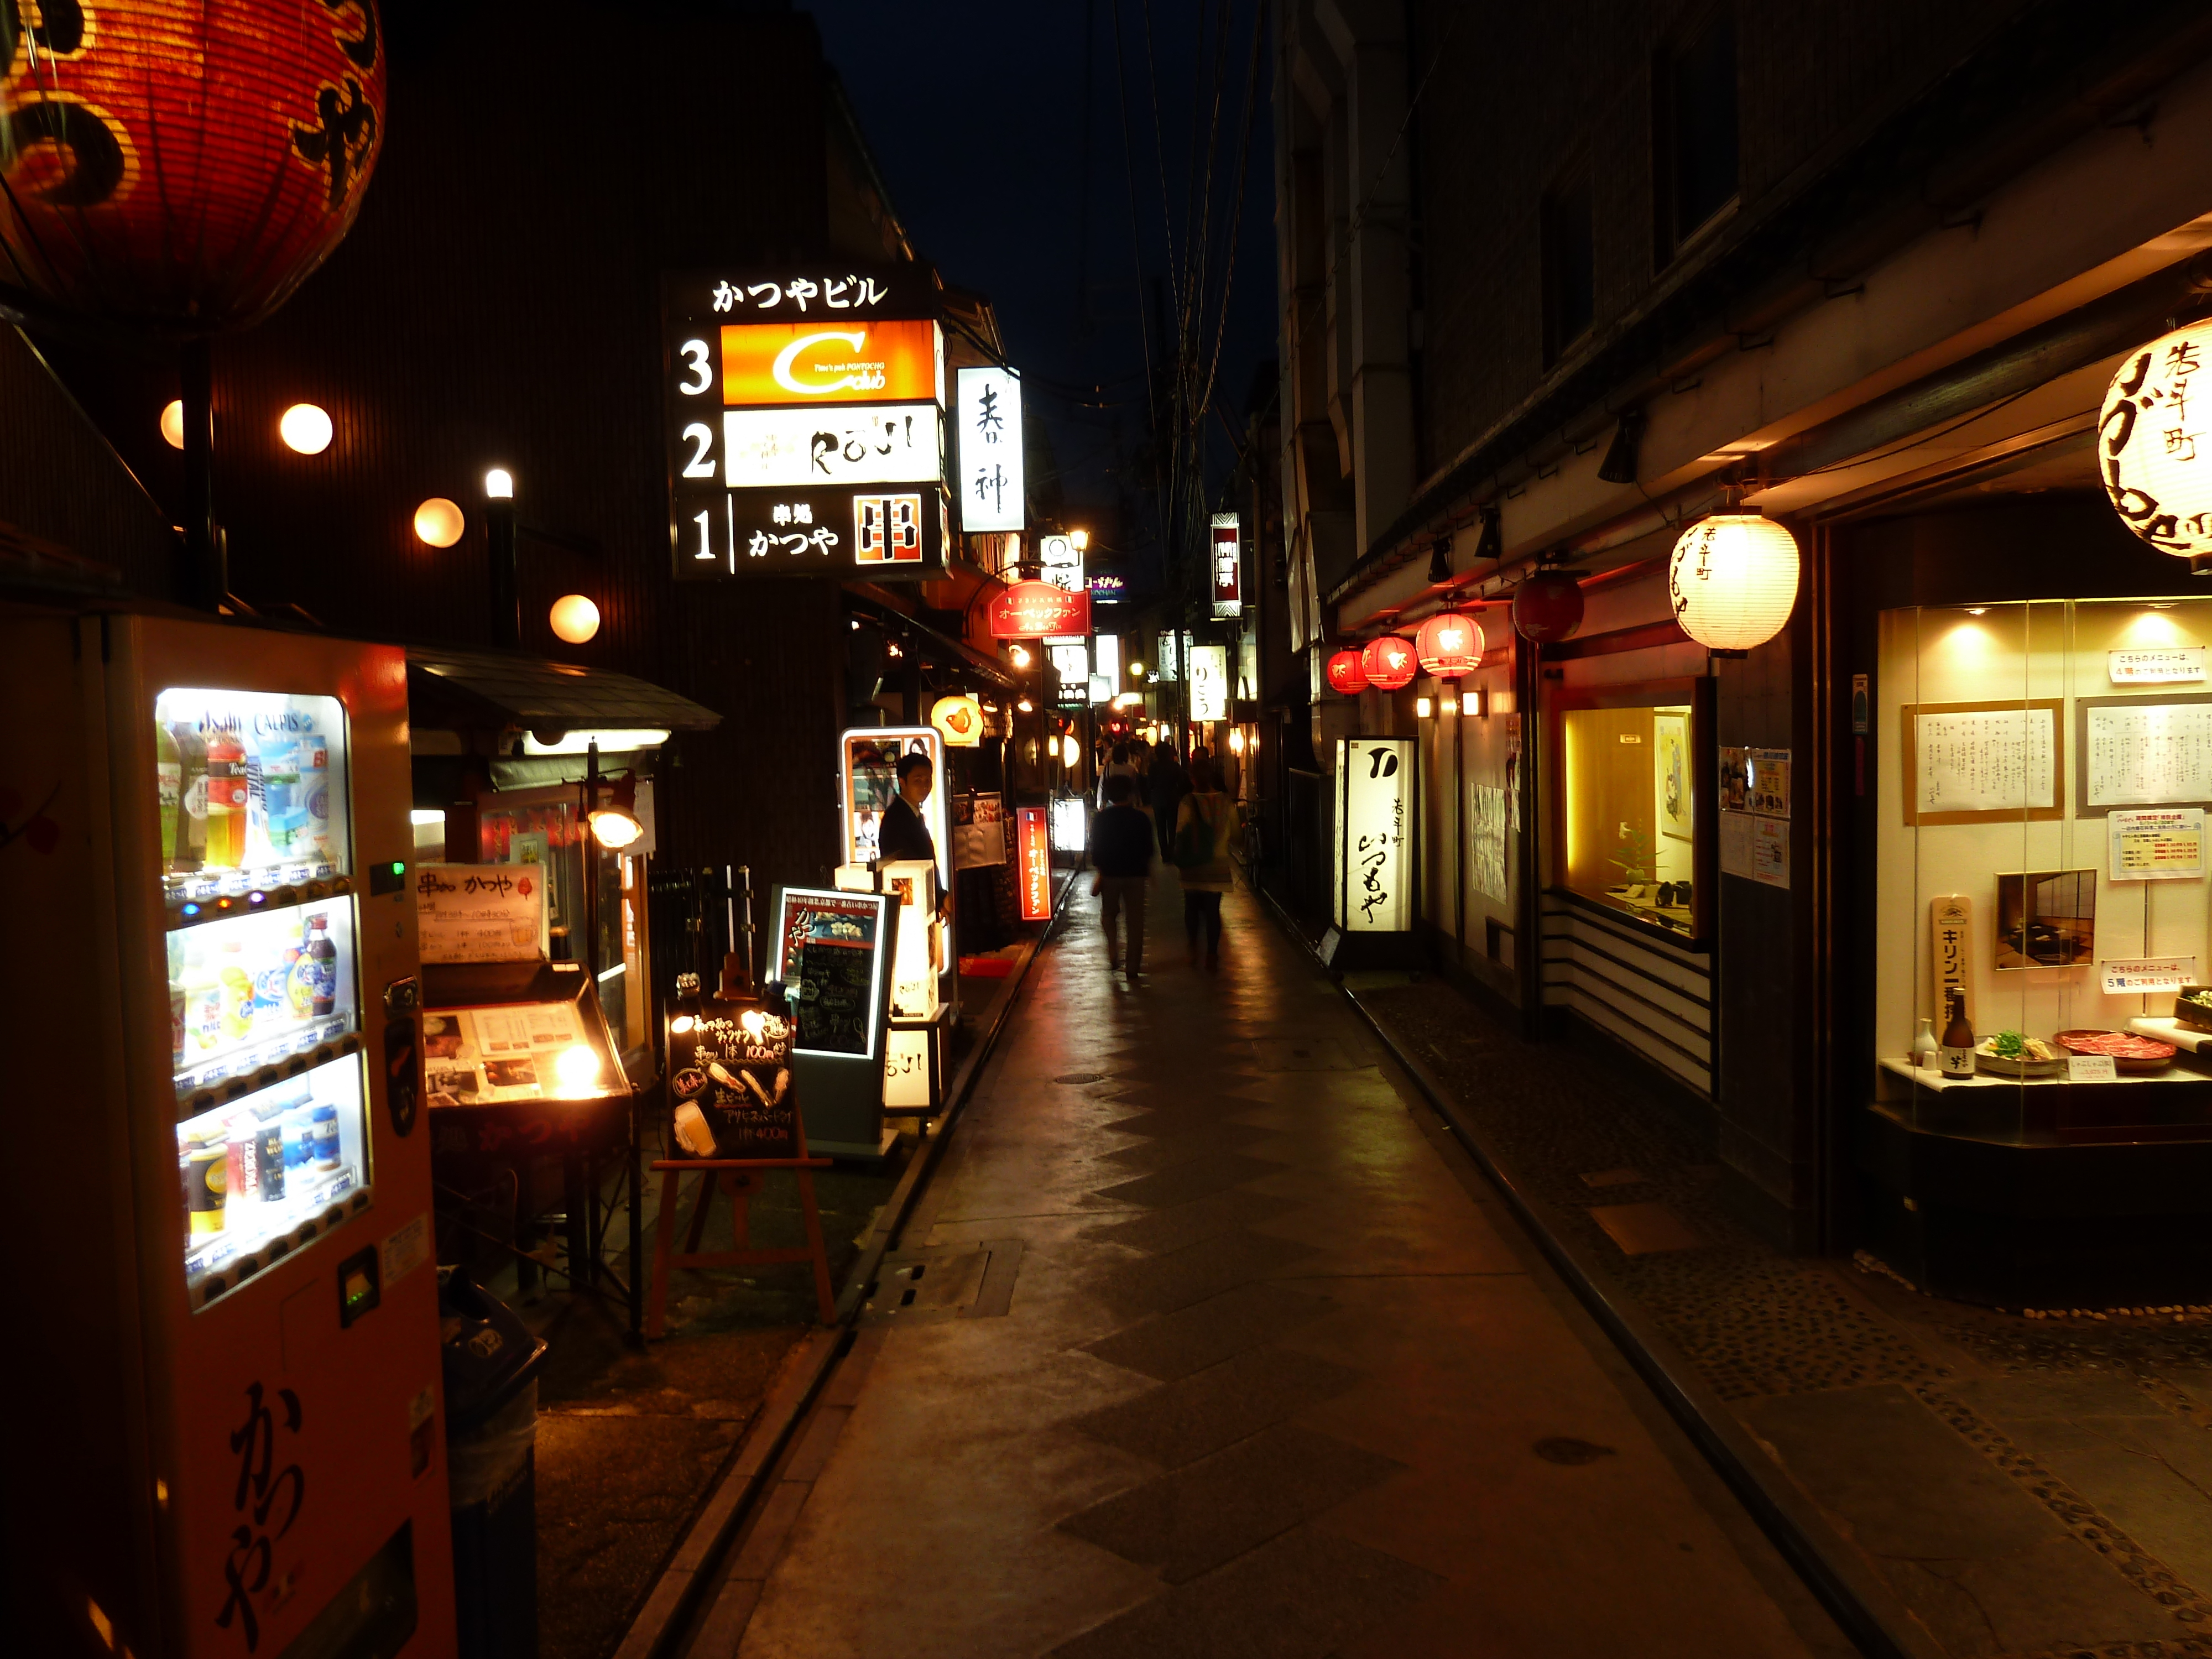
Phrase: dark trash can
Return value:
(491, 1362)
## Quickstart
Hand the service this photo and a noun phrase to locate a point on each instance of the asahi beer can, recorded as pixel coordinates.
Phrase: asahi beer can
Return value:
(207, 1183)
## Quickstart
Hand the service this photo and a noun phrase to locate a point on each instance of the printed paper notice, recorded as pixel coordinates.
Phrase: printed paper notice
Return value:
(2175, 665)
(2092, 1068)
(2163, 844)
(2145, 753)
(2146, 975)
(479, 912)
(1766, 782)
(1488, 868)
(1986, 760)
(1756, 849)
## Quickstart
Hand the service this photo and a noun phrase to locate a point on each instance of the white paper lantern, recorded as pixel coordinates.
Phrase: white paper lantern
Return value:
(1733, 581)
(2154, 455)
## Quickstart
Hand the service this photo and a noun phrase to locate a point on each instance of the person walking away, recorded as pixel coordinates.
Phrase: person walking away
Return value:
(1203, 823)
(1122, 852)
(1167, 786)
(1118, 765)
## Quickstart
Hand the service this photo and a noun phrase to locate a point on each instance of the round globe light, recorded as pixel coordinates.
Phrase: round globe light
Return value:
(173, 422)
(2157, 472)
(499, 484)
(439, 522)
(306, 429)
(575, 618)
(1733, 581)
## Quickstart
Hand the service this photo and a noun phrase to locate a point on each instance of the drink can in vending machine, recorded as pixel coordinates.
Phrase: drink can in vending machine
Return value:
(206, 1184)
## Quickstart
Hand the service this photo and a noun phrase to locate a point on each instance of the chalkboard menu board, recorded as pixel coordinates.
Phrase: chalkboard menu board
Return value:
(830, 951)
(735, 1067)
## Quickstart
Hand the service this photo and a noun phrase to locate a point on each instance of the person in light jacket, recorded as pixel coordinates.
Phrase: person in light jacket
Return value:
(1204, 823)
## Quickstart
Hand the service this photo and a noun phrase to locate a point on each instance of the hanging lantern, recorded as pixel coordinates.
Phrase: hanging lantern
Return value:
(959, 719)
(185, 167)
(1732, 579)
(2155, 470)
(1388, 663)
(1449, 645)
(1345, 675)
(1548, 607)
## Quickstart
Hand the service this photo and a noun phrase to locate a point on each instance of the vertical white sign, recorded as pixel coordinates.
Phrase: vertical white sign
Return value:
(1167, 660)
(1106, 655)
(1063, 562)
(1209, 682)
(990, 427)
(1374, 851)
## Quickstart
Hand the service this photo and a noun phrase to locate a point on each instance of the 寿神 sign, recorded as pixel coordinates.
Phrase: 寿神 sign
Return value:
(805, 425)
(990, 428)
(1374, 872)
(479, 912)
(1228, 565)
(1030, 611)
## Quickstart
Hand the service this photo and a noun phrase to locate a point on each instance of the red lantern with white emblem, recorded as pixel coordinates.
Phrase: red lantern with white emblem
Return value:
(1345, 677)
(1389, 662)
(184, 166)
(1450, 646)
(1547, 607)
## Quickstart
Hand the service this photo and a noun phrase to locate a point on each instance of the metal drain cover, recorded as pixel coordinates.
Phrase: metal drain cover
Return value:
(960, 1281)
(1082, 1077)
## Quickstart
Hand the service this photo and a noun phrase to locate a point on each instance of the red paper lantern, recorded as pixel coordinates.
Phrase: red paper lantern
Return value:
(1449, 645)
(1389, 663)
(185, 165)
(1345, 677)
(1548, 607)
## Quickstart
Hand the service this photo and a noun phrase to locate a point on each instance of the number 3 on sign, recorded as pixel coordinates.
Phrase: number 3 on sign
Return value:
(695, 357)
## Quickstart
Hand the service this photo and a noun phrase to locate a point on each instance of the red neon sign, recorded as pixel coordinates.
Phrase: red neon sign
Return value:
(1030, 611)
(1033, 851)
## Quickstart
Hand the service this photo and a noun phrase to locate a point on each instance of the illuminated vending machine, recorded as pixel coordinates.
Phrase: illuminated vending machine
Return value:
(226, 1334)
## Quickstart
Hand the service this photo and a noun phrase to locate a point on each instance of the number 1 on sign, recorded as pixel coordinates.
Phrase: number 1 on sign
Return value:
(704, 520)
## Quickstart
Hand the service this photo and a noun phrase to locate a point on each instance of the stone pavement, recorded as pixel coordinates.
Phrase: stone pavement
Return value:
(1212, 1343)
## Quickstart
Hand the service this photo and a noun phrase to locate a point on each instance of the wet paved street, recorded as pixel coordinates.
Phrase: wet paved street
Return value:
(1219, 1346)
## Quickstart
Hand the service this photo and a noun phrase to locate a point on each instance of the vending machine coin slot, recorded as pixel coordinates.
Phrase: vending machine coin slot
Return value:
(360, 1285)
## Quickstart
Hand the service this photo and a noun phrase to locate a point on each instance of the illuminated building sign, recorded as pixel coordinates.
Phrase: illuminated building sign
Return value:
(797, 402)
(1033, 853)
(1374, 874)
(1209, 682)
(1106, 590)
(1063, 562)
(1228, 565)
(1030, 611)
(990, 473)
(1167, 659)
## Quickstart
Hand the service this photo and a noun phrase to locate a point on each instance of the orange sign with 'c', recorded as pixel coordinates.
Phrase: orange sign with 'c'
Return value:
(831, 361)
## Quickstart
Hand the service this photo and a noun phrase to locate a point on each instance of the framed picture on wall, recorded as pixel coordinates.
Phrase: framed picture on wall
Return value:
(1670, 759)
(1985, 762)
(2047, 919)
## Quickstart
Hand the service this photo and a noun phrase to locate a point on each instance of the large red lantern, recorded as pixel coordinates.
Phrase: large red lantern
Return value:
(1548, 607)
(1389, 663)
(185, 165)
(1450, 646)
(1345, 677)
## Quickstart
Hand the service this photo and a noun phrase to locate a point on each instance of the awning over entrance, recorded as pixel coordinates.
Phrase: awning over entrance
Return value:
(493, 691)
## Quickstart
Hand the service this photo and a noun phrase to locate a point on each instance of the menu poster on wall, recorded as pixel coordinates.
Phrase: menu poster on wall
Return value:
(1966, 762)
(1488, 869)
(2146, 975)
(1735, 779)
(479, 912)
(2140, 753)
(1951, 926)
(2176, 665)
(2164, 843)
(1766, 782)
(1755, 848)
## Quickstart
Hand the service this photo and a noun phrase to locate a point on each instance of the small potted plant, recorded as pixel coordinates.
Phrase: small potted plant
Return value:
(1634, 864)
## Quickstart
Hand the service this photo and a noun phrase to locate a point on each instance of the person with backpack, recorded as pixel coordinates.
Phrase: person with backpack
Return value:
(1122, 852)
(1204, 823)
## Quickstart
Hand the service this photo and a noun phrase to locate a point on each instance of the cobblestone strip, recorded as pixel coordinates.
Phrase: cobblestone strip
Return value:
(2134, 1563)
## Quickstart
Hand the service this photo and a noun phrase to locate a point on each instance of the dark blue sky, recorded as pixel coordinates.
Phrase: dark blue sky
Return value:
(975, 110)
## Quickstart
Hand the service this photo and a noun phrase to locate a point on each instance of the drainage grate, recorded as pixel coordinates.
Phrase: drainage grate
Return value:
(965, 1281)
(1082, 1077)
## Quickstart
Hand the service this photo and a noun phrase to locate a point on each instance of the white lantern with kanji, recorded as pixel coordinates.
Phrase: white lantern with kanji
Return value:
(2154, 451)
(1733, 581)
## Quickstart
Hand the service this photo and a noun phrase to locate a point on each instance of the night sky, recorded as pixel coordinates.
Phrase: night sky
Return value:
(976, 111)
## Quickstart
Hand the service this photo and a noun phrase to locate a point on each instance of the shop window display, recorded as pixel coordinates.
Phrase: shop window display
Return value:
(1629, 810)
(2041, 875)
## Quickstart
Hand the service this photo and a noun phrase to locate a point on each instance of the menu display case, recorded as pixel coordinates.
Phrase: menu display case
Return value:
(1634, 825)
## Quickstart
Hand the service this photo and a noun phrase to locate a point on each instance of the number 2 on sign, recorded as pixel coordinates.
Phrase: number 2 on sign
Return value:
(701, 437)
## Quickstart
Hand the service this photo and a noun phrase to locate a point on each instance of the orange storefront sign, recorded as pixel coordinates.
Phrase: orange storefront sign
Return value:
(831, 361)
(1034, 851)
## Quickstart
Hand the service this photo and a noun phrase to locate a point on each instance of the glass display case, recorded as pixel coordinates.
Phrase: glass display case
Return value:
(548, 827)
(1631, 836)
(264, 995)
(2041, 869)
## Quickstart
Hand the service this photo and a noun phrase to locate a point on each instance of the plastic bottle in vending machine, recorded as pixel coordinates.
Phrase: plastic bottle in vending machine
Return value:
(168, 789)
(192, 796)
(323, 1137)
(225, 798)
(322, 957)
(236, 980)
(314, 796)
(202, 985)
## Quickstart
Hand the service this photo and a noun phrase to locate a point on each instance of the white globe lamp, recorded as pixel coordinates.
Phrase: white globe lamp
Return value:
(2155, 465)
(1733, 581)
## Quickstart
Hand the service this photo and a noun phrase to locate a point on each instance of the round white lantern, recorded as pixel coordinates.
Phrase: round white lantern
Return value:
(2154, 455)
(1733, 581)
